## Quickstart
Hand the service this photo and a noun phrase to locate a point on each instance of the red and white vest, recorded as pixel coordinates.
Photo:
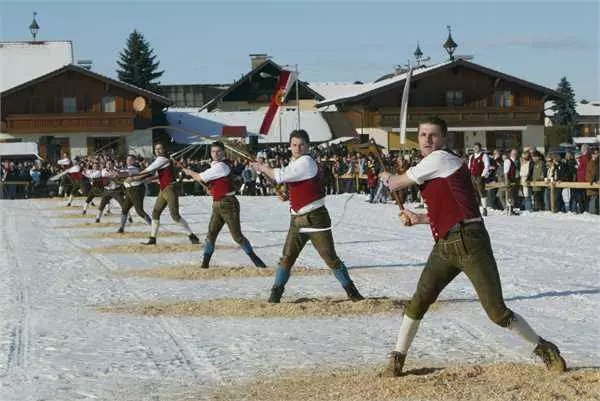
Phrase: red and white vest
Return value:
(450, 200)
(305, 192)
(76, 176)
(222, 186)
(166, 176)
(476, 165)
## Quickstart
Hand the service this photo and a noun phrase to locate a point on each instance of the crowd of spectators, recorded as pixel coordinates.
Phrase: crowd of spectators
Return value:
(345, 171)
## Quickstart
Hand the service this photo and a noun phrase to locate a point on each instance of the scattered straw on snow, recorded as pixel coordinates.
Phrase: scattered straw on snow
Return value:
(91, 224)
(229, 307)
(129, 234)
(194, 272)
(497, 382)
(160, 247)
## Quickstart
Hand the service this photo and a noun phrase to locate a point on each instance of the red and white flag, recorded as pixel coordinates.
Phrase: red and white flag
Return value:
(284, 83)
(404, 107)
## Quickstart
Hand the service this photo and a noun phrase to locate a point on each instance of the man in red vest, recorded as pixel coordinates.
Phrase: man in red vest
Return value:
(479, 166)
(310, 218)
(168, 195)
(225, 208)
(462, 245)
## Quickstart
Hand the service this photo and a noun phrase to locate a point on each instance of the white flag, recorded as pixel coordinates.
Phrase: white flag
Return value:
(404, 107)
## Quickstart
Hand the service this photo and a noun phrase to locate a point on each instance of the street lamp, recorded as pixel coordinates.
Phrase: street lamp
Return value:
(34, 27)
(450, 45)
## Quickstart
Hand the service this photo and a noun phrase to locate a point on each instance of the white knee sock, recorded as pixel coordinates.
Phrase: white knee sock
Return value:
(520, 326)
(484, 202)
(185, 226)
(408, 330)
(85, 206)
(154, 229)
(98, 214)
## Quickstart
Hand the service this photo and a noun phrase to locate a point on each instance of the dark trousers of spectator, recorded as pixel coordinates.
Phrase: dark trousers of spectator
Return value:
(593, 204)
(348, 185)
(372, 194)
(578, 200)
(493, 201)
(249, 188)
(538, 201)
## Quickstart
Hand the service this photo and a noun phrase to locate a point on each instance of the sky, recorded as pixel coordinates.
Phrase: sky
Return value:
(204, 42)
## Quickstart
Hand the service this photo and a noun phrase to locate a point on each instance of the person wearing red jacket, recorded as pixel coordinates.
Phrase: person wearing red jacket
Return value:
(310, 218)
(462, 244)
(225, 207)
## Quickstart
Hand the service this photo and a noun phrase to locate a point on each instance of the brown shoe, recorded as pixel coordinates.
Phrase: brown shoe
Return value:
(395, 364)
(550, 355)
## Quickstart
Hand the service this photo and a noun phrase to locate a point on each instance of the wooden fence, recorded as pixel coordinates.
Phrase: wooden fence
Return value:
(553, 185)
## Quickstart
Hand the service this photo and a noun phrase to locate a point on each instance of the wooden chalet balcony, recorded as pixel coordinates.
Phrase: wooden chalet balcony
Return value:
(69, 122)
(467, 117)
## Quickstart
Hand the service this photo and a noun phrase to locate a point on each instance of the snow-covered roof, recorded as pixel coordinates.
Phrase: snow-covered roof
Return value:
(191, 126)
(23, 61)
(335, 89)
(583, 109)
(372, 86)
(589, 109)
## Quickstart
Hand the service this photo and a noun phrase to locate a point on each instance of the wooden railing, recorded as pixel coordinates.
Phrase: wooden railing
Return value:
(69, 122)
(552, 185)
(467, 117)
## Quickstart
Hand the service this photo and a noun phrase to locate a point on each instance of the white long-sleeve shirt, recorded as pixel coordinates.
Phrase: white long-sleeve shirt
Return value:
(158, 164)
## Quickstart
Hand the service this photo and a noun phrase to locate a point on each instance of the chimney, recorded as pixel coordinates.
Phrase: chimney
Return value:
(257, 59)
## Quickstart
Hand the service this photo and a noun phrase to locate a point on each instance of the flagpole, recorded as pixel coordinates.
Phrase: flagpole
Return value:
(280, 127)
(297, 95)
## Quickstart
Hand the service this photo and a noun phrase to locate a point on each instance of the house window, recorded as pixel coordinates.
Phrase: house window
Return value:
(108, 104)
(503, 99)
(454, 98)
(69, 105)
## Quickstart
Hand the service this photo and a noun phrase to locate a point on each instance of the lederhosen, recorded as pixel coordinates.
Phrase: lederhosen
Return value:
(462, 245)
(225, 209)
(314, 225)
(168, 194)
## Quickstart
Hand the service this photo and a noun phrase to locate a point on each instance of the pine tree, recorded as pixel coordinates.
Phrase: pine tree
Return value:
(564, 109)
(138, 66)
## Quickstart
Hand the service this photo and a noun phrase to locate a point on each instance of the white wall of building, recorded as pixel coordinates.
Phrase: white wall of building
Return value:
(533, 135)
(140, 143)
(78, 144)
(472, 137)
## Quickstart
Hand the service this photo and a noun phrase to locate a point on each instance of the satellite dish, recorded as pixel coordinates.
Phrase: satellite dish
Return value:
(139, 104)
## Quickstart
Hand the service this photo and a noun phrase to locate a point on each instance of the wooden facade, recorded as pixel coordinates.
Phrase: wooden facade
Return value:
(479, 105)
(480, 94)
(73, 107)
(96, 105)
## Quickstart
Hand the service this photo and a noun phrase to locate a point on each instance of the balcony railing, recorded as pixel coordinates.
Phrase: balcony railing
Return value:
(469, 117)
(69, 122)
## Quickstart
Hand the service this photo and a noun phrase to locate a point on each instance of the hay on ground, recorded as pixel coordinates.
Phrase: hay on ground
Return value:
(160, 247)
(497, 382)
(130, 234)
(91, 224)
(230, 307)
(194, 272)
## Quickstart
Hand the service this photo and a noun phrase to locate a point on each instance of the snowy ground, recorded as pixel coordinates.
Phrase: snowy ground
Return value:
(55, 345)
